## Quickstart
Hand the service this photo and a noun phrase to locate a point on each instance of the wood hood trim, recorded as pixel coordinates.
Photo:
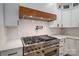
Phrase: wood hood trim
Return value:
(25, 12)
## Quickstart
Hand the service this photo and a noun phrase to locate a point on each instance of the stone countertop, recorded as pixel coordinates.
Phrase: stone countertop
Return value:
(11, 45)
(17, 43)
(64, 36)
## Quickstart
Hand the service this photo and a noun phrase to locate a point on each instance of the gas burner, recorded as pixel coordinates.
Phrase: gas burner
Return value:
(40, 45)
(47, 38)
(37, 39)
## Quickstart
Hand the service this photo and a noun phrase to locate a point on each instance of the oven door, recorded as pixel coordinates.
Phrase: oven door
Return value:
(51, 51)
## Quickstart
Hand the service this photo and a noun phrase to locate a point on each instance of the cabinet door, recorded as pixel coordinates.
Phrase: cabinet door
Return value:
(2, 28)
(66, 18)
(66, 46)
(61, 47)
(57, 22)
(12, 52)
(69, 46)
(1, 14)
(76, 47)
(75, 17)
(11, 14)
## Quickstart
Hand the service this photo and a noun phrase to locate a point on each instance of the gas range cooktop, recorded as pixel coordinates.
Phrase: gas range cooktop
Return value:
(42, 45)
(37, 39)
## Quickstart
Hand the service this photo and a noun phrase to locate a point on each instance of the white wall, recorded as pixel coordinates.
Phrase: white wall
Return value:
(27, 28)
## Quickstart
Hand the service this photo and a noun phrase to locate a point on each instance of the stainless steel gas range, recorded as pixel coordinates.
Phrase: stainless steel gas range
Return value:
(42, 45)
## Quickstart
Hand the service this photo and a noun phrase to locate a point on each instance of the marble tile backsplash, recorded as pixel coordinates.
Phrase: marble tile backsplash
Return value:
(28, 28)
(70, 31)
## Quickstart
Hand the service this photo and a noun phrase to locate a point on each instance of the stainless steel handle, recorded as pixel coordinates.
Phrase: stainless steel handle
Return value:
(12, 53)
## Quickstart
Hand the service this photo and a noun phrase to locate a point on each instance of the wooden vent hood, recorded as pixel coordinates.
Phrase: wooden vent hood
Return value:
(25, 13)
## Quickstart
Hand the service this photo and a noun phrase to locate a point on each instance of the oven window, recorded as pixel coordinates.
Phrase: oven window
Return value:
(51, 53)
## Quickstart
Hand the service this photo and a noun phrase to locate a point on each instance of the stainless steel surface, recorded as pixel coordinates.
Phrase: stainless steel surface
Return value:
(42, 45)
(37, 39)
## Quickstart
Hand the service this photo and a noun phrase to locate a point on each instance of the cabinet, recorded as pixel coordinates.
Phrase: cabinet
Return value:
(1, 14)
(66, 18)
(2, 28)
(75, 17)
(61, 47)
(63, 19)
(12, 52)
(11, 13)
(71, 46)
(67, 46)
